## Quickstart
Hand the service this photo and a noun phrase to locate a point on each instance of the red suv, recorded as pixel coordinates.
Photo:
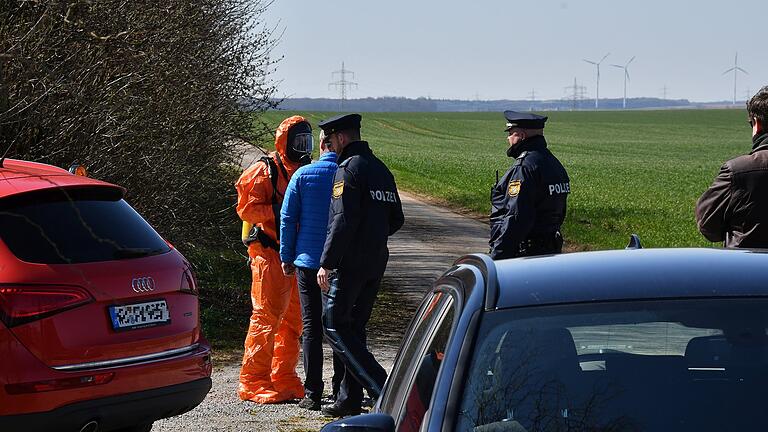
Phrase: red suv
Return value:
(99, 316)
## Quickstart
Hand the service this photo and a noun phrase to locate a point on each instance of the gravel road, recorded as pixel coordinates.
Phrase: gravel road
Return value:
(431, 239)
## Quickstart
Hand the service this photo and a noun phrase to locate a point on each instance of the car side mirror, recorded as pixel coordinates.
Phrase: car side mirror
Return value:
(376, 422)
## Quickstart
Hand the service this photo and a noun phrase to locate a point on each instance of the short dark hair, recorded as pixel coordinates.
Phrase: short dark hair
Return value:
(351, 134)
(757, 106)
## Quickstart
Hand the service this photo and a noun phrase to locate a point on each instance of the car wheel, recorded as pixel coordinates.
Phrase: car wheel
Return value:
(136, 428)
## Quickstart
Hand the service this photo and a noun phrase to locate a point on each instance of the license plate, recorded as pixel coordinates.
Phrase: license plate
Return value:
(139, 315)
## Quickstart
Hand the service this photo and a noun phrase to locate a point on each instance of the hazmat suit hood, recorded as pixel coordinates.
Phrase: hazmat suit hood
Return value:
(281, 141)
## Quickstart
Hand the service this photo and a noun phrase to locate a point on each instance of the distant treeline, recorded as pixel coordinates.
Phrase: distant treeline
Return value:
(400, 104)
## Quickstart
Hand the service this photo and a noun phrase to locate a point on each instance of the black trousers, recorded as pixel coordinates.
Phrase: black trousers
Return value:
(312, 336)
(347, 309)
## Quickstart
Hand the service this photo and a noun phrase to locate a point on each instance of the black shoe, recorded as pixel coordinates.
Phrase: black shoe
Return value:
(310, 404)
(368, 402)
(335, 410)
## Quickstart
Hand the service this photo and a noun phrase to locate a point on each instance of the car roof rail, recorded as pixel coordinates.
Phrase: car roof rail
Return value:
(488, 269)
(634, 242)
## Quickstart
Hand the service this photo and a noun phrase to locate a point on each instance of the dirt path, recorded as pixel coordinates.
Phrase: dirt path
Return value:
(431, 239)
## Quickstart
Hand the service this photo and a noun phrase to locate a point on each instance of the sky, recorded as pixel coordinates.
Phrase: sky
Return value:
(507, 49)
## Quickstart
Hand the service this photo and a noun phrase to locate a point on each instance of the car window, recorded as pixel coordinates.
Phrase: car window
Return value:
(75, 226)
(685, 365)
(410, 385)
(602, 339)
(419, 390)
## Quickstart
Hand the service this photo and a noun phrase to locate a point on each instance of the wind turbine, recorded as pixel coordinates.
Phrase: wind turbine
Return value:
(735, 69)
(626, 78)
(597, 91)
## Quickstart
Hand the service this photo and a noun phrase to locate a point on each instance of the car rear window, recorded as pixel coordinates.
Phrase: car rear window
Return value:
(683, 365)
(76, 226)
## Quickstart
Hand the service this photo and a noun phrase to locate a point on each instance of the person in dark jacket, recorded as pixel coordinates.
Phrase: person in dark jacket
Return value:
(734, 209)
(303, 225)
(365, 211)
(528, 204)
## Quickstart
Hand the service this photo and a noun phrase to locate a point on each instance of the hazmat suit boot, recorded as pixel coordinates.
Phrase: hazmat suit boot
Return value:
(255, 382)
(286, 358)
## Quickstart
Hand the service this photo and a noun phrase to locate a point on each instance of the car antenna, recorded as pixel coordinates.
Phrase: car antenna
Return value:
(634, 242)
(5, 153)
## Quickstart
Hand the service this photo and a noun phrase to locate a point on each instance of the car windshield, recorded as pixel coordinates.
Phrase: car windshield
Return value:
(75, 226)
(683, 365)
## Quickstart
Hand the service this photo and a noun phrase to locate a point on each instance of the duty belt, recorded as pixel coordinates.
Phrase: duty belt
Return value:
(258, 234)
(541, 244)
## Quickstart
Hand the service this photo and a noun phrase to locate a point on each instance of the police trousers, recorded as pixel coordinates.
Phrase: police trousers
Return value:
(312, 337)
(346, 311)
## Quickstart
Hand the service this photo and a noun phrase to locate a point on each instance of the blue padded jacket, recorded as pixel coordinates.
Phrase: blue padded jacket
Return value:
(304, 215)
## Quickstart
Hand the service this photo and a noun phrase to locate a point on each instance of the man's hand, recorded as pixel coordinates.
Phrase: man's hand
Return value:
(288, 269)
(323, 144)
(322, 279)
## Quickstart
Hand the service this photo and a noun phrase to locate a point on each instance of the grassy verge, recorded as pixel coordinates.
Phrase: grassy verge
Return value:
(225, 302)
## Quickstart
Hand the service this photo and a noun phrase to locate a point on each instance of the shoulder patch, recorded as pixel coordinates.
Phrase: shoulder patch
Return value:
(338, 189)
(514, 188)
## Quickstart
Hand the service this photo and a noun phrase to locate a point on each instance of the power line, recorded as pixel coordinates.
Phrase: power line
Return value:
(342, 85)
(576, 93)
(532, 97)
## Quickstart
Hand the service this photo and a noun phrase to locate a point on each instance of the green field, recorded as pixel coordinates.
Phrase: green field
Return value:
(631, 172)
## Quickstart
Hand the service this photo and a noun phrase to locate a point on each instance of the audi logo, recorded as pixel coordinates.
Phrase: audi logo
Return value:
(143, 284)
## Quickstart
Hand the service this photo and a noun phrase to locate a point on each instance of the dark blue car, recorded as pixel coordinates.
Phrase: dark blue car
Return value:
(629, 340)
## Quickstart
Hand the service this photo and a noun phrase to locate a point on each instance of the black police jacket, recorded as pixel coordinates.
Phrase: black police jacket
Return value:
(365, 210)
(734, 210)
(529, 202)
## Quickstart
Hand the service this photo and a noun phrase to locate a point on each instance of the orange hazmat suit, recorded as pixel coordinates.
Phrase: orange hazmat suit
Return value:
(268, 372)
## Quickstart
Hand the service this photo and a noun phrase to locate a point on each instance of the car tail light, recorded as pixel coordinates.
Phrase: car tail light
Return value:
(20, 304)
(59, 384)
(188, 282)
(78, 170)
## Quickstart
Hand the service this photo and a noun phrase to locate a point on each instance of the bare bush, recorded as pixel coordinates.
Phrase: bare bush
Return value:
(148, 95)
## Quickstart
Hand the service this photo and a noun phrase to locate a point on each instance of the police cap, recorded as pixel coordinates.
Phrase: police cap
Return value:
(340, 123)
(524, 120)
